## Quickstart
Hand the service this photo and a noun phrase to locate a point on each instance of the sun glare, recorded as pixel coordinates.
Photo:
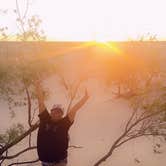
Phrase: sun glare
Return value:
(109, 47)
(101, 39)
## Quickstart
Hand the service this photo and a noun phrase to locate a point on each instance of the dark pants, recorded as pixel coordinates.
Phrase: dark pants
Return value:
(60, 163)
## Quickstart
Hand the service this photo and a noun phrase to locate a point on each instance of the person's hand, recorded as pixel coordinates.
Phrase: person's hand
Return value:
(39, 95)
(38, 89)
(86, 93)
(36, 82)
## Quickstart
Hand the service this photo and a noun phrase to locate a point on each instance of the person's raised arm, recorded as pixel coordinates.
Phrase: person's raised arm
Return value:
(40, 96)
(77, 106)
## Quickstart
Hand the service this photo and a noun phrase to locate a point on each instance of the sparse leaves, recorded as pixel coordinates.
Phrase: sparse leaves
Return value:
(3, 33)
(12, 133)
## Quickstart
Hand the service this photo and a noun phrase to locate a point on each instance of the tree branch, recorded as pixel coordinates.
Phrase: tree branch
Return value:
(21, 137)
(25, 162)
(73, 95)
(29, 106)
(128, 128)
(19, 153)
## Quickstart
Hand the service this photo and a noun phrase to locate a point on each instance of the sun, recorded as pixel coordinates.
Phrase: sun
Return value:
(101, 39)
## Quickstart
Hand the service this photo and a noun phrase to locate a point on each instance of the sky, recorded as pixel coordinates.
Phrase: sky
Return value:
(82, 20)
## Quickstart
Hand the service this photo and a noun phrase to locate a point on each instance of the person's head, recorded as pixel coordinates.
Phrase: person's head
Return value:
(56, 112)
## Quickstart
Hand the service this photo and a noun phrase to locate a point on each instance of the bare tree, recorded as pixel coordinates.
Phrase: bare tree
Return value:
(148, 119)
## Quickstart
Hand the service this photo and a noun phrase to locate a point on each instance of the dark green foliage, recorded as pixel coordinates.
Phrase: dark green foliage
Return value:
(12, 133)
(18, 73)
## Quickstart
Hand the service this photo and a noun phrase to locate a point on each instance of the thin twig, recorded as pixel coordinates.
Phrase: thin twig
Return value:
(19, 153)
(24, 162)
